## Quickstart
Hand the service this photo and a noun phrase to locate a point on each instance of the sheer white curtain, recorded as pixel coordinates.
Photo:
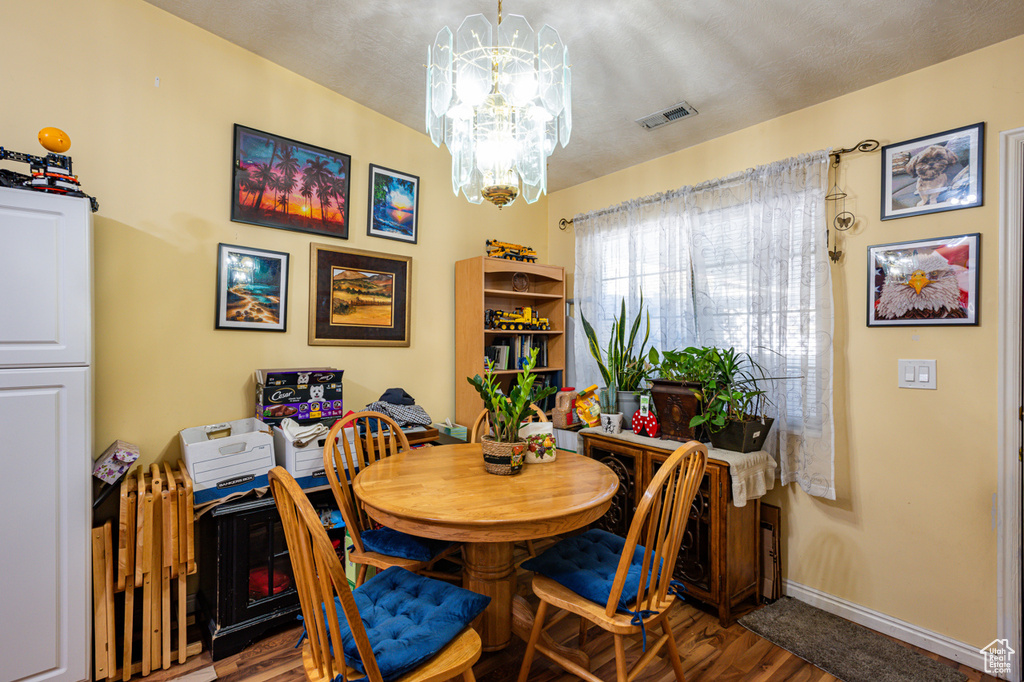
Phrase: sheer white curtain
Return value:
(742, 262)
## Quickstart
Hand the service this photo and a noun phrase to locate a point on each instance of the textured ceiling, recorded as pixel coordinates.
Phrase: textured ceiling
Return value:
(738, 62)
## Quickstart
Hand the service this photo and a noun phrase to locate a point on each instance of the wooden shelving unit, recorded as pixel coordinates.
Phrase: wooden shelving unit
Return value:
(482, 283)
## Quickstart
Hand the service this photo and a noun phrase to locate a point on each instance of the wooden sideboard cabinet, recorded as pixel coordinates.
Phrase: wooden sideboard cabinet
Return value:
(719, 560)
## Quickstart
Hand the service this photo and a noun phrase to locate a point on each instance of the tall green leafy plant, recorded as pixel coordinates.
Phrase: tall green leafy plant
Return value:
(623, 367)
(507, 412)
(732, 390)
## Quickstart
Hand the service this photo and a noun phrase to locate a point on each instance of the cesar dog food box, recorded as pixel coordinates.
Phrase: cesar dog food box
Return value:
(306, 395)
(227, 458)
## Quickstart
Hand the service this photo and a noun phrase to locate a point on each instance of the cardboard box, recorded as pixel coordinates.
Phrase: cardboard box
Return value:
(224, 464)
(304, 404)
(306, 464)
(114, 461)
(299, 377)
(455, 430)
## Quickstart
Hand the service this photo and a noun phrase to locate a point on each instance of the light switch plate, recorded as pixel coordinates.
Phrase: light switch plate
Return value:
(917, 374)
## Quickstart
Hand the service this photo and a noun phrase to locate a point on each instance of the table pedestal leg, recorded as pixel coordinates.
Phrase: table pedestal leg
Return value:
(491, 571)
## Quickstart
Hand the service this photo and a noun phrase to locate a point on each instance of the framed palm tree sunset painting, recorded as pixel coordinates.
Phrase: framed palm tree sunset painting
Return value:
(278, 182)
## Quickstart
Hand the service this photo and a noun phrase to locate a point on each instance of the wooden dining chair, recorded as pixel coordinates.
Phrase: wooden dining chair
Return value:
(398, 625)
(613, 582)
(482, 424)
(376, 436)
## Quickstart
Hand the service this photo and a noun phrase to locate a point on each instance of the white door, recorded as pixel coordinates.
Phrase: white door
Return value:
(45, 277)
(45, 517)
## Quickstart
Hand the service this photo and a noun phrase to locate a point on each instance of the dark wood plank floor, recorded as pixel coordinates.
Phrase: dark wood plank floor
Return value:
(710, 653)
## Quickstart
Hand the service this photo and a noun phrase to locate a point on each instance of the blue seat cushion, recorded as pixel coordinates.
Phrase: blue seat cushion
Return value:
(408, 618)
(586, 564)
(396, 543)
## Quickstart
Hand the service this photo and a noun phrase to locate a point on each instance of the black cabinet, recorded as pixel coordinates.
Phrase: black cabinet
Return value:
(246, 583)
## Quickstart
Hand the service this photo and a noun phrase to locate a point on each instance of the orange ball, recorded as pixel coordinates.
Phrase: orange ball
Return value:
(54, 140)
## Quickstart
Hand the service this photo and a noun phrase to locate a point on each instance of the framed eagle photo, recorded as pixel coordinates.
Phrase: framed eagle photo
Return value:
(939, 172)
(925, 282)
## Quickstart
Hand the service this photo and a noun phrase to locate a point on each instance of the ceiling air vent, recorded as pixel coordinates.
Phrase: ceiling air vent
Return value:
(665, 116)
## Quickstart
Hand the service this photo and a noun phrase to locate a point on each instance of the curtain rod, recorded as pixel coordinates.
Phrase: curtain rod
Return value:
(868, 145)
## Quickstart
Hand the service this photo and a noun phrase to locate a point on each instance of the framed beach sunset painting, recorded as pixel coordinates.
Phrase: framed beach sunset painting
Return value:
(358, 298)
(252, 288)
(278, 182)
(394, 205)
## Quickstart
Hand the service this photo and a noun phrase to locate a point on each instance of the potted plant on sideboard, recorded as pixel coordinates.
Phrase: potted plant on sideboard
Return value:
(504, 451)
(677, 379)
(623, 366)
(733, 402)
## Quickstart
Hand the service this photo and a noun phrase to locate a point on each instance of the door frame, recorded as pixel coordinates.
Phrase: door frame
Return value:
(1011, 251)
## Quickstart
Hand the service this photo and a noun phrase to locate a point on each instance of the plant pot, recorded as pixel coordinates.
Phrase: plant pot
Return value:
(503, 459)
(629, 402)
(748, 436)
(676, 403)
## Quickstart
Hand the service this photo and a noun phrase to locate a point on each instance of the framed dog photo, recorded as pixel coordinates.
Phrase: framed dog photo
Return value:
(940, 172)
(394, 205)
(924, 282)
(358, 298)
(252, 288)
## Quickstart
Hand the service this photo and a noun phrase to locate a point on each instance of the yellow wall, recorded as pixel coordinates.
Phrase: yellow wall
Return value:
(159, 161)
(910, 534)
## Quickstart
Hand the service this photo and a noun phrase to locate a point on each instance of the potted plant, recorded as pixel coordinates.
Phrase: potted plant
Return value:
(504, 451)
(677, 377)
(733, 402)
(623, 367)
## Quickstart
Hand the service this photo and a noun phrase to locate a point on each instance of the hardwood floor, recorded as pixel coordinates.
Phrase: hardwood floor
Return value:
(709, 651)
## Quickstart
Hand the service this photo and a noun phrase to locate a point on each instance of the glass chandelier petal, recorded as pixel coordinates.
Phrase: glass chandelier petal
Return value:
(473, 68)
(550, 60)
(565, 121)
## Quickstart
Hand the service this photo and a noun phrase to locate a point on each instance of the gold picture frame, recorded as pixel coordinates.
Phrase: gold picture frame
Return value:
(358, 298)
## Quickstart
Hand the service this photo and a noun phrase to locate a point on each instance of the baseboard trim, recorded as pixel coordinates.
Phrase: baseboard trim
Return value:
(902, 630)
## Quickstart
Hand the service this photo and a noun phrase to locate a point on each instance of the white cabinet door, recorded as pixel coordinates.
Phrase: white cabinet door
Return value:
(45, 277)
(45, 516)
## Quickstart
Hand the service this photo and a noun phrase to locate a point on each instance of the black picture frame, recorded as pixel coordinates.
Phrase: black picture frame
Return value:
(925, 282)
(318, 180)
(252, 288)
(343, 286)
(934, 173)
(393, 206)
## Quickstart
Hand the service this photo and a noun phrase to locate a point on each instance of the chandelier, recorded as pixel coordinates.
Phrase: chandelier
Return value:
(500, 106)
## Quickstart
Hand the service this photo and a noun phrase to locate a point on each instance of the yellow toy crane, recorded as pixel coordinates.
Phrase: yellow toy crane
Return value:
(518, 320)
(509, 251)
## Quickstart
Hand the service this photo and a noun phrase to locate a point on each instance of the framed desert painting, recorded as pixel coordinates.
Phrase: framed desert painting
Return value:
(278, 182)
(252, 288)
(393, 205)
(940, 172)
(924, 282)
(358, 298)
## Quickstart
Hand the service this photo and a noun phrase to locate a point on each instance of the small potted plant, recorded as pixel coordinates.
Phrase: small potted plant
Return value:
(623, 366)
(677, 378)
(505, 450)
(733, 402)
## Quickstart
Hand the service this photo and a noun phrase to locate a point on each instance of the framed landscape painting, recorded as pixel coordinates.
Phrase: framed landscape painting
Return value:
(924, 282)
(278, 182)
(252, 288)
(940, 172)
(358, 298)
(394, 205)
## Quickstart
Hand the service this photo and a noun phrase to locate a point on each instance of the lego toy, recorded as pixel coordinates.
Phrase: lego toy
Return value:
(508, 251)
(517, 320)
(51, 173)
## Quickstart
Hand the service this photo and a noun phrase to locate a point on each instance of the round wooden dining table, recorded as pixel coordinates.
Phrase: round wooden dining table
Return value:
(443, 492)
